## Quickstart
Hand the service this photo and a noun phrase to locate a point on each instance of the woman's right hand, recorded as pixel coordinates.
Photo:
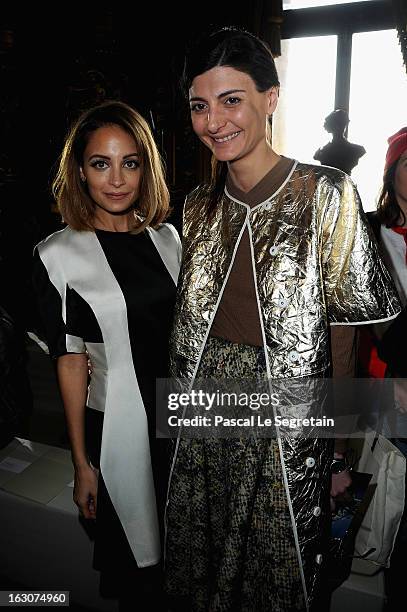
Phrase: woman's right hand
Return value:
(85, 490)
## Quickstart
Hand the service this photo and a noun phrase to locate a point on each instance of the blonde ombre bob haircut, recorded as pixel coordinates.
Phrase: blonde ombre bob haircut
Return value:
(74, 202)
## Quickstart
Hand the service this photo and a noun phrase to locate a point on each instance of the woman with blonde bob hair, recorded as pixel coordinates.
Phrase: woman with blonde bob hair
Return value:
(75, 203)
(106, 289)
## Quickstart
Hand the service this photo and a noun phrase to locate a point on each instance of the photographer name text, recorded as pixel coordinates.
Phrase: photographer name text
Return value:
(254, 420)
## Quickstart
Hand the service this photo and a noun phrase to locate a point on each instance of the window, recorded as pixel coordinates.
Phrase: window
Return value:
(304, 100)
(299, 4)
(325, 65)
(378, 105)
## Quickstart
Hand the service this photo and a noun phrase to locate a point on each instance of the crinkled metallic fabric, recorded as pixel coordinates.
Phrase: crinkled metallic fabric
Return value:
(316, 262)
(315, 259)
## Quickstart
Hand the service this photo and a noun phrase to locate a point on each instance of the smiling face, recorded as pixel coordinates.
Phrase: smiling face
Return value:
(228, 114)
(111, 168)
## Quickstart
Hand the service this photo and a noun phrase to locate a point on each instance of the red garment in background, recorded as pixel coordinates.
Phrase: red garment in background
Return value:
(369, 361)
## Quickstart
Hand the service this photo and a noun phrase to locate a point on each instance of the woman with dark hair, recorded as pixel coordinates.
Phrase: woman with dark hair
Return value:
(383, 346)
(106, 289)
(273, 255)
(389, 223)
(391, 215)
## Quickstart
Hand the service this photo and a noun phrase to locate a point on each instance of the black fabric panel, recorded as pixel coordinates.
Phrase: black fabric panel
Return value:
(149, 293)
(112, 550)
(80, 318)
(392, 347)
(50, 307)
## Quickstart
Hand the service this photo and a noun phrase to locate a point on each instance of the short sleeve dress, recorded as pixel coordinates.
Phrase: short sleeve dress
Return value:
(112, 294)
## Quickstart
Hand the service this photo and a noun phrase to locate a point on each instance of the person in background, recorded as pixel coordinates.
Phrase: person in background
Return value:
(389, 223)
(383, 346)
(339, 153)
(106, 289)
(272, 253)
(390, 219)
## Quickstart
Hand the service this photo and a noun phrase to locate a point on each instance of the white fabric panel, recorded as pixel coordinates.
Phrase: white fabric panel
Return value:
(168, 245)
(97, 391)
(394, 252)
(125, 454)
(74, 344)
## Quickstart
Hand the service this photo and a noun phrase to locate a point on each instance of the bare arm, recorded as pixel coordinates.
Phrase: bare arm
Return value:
(72, 370)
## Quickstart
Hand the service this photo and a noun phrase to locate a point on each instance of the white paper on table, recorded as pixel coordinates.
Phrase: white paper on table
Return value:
(10, 464)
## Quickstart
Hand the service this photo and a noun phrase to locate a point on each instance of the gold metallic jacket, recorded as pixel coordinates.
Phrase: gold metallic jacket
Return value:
(315, 263)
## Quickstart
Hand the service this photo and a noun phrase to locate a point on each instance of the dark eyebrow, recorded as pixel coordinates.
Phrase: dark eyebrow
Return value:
(221, 95)
(107, 157)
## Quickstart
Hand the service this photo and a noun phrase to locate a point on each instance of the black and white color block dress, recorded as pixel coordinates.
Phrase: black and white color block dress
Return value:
(112, 294)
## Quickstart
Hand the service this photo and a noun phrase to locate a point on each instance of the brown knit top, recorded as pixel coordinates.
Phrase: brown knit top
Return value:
(237, 318)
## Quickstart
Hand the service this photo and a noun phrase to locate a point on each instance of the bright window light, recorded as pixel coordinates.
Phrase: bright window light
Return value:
(378, 101)
(306, 70)
(299, 4)
(378, 105)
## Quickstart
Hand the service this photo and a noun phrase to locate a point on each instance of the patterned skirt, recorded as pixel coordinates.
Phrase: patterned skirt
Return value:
(230, 543)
